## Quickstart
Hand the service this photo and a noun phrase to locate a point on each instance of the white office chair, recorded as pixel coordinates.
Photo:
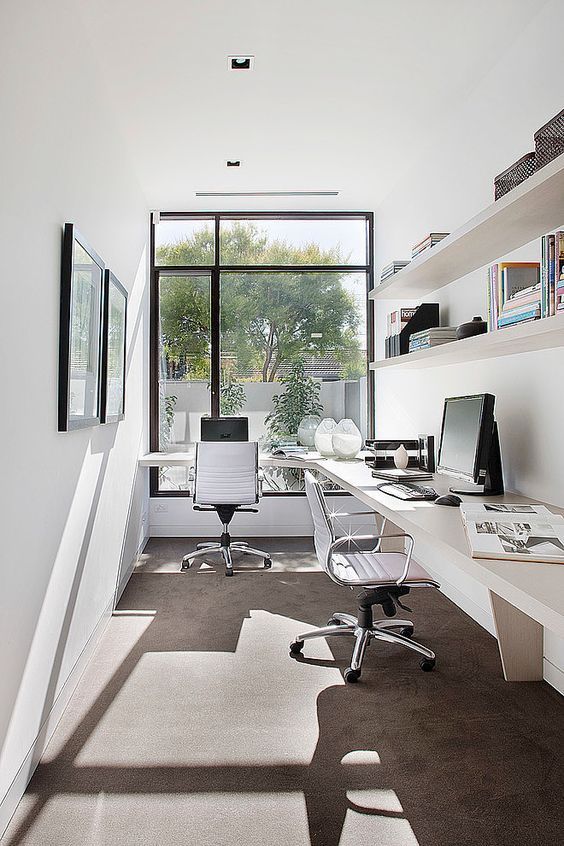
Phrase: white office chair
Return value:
(382, 576)
(226, 478)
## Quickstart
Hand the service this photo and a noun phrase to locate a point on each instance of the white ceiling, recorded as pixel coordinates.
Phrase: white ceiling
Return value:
(344, 95)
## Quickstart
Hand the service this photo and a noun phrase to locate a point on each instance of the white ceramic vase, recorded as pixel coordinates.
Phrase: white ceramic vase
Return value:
(324, 437)
(347, 440)
(401, 458)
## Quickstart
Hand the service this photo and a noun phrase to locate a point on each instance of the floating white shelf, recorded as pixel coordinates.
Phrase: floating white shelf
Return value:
(540, 335)
(529, 211)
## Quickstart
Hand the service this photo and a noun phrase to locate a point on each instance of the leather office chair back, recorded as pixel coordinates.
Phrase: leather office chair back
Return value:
(323, 534)
(226, 473)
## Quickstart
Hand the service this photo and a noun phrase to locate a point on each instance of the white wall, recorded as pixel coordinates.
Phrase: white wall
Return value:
(66, 499)
(453, 180)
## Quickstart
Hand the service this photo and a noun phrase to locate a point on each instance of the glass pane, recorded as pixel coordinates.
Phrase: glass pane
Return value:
(185, 242)
(85, 335)
(298, 336)
(184, 383)
(116, 344)
(296, 242)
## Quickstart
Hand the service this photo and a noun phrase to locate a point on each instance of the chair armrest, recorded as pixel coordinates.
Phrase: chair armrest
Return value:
(370, 582)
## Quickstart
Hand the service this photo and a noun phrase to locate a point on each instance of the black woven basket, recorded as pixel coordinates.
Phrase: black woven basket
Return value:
(549, 140)
(514, 175)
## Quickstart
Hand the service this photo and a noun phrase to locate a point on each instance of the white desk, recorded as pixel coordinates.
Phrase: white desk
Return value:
(525, 597)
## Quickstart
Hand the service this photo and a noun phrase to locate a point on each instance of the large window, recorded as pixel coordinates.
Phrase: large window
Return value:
(248, 307)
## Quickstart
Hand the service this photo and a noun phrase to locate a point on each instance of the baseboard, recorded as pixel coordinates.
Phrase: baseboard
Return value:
(129, 572)
(553, 675)
(10, 801)
(180, 530)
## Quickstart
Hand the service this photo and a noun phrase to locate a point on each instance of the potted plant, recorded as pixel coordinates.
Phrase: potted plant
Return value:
(299, 399)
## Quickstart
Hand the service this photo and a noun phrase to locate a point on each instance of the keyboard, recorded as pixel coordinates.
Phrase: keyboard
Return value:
(407, 490)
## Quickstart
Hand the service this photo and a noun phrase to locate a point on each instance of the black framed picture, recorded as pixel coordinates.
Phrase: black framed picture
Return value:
(80, 333)
(114, 331)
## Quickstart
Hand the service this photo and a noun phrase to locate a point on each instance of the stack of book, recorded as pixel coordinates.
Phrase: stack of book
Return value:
(427, 242)
(392, 268)
(393, 474)
(514, 293)
(403, 322)
(432, 338)
(397, 320)
(552, 273)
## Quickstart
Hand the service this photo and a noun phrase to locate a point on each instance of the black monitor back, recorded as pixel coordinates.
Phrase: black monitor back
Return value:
(224, 429)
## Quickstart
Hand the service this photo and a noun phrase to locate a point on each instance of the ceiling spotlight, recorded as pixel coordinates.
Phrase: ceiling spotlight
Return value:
(233, 163)
(240, 62)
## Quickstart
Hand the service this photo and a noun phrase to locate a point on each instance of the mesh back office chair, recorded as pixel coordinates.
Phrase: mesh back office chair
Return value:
(382, 576)
(226, 479)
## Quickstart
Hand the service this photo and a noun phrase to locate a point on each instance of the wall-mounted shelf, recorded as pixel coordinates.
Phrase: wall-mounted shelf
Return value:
(540, 335)
(529, 211)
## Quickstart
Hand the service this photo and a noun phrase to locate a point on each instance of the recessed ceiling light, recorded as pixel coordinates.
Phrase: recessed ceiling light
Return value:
(240, 62)
(233, 162)
(266, 193)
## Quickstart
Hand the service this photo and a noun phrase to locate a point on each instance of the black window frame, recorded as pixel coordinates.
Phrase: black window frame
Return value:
(215, 271)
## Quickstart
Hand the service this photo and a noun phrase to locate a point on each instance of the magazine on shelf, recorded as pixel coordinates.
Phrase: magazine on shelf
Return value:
(515, 531)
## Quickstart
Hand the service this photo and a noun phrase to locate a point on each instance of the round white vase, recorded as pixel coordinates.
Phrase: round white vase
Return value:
(324, 437)
(401, 458)
(347, 440)
(307, 429)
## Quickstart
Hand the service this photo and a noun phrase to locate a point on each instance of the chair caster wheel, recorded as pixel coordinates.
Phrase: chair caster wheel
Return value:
(407, 631)
(333, 622)
(296, 647)
(229, 572)
(185, 566)
(427, 664)
(351, 676)
(267, 563)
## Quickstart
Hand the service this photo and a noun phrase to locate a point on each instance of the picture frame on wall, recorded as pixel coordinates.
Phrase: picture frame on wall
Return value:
(114, 349)
(80, 333)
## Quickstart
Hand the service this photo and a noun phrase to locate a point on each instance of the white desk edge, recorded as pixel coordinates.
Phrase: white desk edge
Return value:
(524, 596)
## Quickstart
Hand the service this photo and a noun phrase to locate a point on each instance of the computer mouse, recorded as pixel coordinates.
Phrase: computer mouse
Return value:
(449, 499)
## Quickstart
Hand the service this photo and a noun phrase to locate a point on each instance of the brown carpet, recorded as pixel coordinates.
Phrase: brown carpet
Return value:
(192, 725)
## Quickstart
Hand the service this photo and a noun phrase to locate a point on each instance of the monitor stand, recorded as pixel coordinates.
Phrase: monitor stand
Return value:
(493, 485)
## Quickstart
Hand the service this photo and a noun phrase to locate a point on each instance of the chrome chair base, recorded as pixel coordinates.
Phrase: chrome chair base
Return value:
(225, 550)
(347, 625)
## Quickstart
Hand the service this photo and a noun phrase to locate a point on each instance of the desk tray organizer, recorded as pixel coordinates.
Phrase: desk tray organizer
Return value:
(549, 140)
(514, 175)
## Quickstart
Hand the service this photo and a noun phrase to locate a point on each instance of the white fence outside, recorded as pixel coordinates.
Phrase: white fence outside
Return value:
(340, 399)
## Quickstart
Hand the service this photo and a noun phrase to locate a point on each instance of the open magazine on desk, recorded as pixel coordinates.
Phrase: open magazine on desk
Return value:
(515, 531)
(292, 455)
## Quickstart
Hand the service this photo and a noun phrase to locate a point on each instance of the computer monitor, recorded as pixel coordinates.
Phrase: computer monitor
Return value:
(469, 446)
(224, 429)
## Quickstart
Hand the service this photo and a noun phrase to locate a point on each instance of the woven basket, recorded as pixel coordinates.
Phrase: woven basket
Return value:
(514, 175)
(549, 140)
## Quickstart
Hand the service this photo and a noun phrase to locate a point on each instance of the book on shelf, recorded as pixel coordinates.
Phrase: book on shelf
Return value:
(514, 293)
(433, 337)
(514, 531)
(391, 269)
(403, 322)
(558, 271)
(428, 241)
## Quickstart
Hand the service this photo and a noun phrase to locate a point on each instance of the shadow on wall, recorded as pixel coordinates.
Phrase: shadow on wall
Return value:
(96, 445)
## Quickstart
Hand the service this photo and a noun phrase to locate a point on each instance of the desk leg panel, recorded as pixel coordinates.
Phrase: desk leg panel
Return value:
(520, 641)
